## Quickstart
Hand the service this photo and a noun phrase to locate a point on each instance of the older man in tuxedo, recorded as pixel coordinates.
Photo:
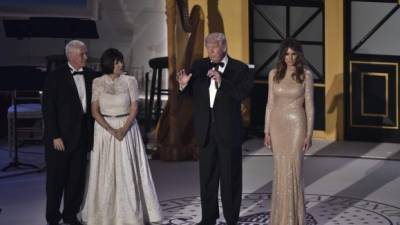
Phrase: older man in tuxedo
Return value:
(218, 84)
(68, 133)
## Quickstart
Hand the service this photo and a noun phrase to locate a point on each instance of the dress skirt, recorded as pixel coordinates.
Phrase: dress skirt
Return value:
(120, 189)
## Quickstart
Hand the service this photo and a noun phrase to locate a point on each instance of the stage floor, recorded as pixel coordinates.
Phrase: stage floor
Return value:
(346, 183)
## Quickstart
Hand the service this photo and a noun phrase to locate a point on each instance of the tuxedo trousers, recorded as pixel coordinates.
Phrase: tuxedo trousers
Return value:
(220, 166)
(66, 175)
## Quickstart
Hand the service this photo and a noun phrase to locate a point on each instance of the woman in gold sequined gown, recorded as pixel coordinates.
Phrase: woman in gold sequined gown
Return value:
(288, 132)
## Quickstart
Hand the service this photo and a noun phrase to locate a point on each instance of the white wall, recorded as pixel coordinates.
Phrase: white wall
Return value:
(135, 27)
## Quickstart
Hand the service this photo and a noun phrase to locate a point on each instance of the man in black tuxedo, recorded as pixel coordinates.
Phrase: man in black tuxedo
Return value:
(68, 133)
(218, 84)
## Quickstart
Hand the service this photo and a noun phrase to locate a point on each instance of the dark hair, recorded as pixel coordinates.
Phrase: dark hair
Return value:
(109, 58)
(300, 63)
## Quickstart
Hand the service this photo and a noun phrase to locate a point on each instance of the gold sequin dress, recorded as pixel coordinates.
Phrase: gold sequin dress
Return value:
(289, 119)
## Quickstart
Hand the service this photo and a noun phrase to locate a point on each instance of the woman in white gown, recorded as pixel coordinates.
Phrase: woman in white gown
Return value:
(120, 189)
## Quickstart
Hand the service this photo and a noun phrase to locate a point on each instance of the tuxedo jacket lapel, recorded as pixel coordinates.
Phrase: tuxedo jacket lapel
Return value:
(74, 88)
(205, 81)
(206, 85)
(225, 75)
(228, 69)
(88, 89)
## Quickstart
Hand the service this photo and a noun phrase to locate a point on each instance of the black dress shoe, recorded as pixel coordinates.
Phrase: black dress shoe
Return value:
(212, 222)
(73, 222)
(55, 223)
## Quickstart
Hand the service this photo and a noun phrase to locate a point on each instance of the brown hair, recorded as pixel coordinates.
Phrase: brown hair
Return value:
(300, 63)
(108, 60)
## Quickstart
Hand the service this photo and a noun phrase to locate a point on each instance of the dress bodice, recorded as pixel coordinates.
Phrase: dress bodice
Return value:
(289, 95)
(115, 96)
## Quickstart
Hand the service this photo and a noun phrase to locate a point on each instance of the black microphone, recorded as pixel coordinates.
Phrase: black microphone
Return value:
(216, 66)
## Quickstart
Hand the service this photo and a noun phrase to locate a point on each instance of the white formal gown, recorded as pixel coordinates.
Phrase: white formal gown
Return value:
(120, 189)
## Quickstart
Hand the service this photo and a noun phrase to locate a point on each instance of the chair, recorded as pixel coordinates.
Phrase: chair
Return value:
(138, 73)
(25, 122)
(156, 90)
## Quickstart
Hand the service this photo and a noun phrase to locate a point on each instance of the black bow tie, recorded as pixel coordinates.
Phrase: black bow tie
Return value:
(77, 73)
(216, 65)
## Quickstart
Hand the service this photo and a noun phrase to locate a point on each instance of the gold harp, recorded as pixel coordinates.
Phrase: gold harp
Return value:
(174, 132)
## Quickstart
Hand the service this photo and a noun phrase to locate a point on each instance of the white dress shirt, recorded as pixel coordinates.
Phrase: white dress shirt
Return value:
(80, 86)
(212, 89)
